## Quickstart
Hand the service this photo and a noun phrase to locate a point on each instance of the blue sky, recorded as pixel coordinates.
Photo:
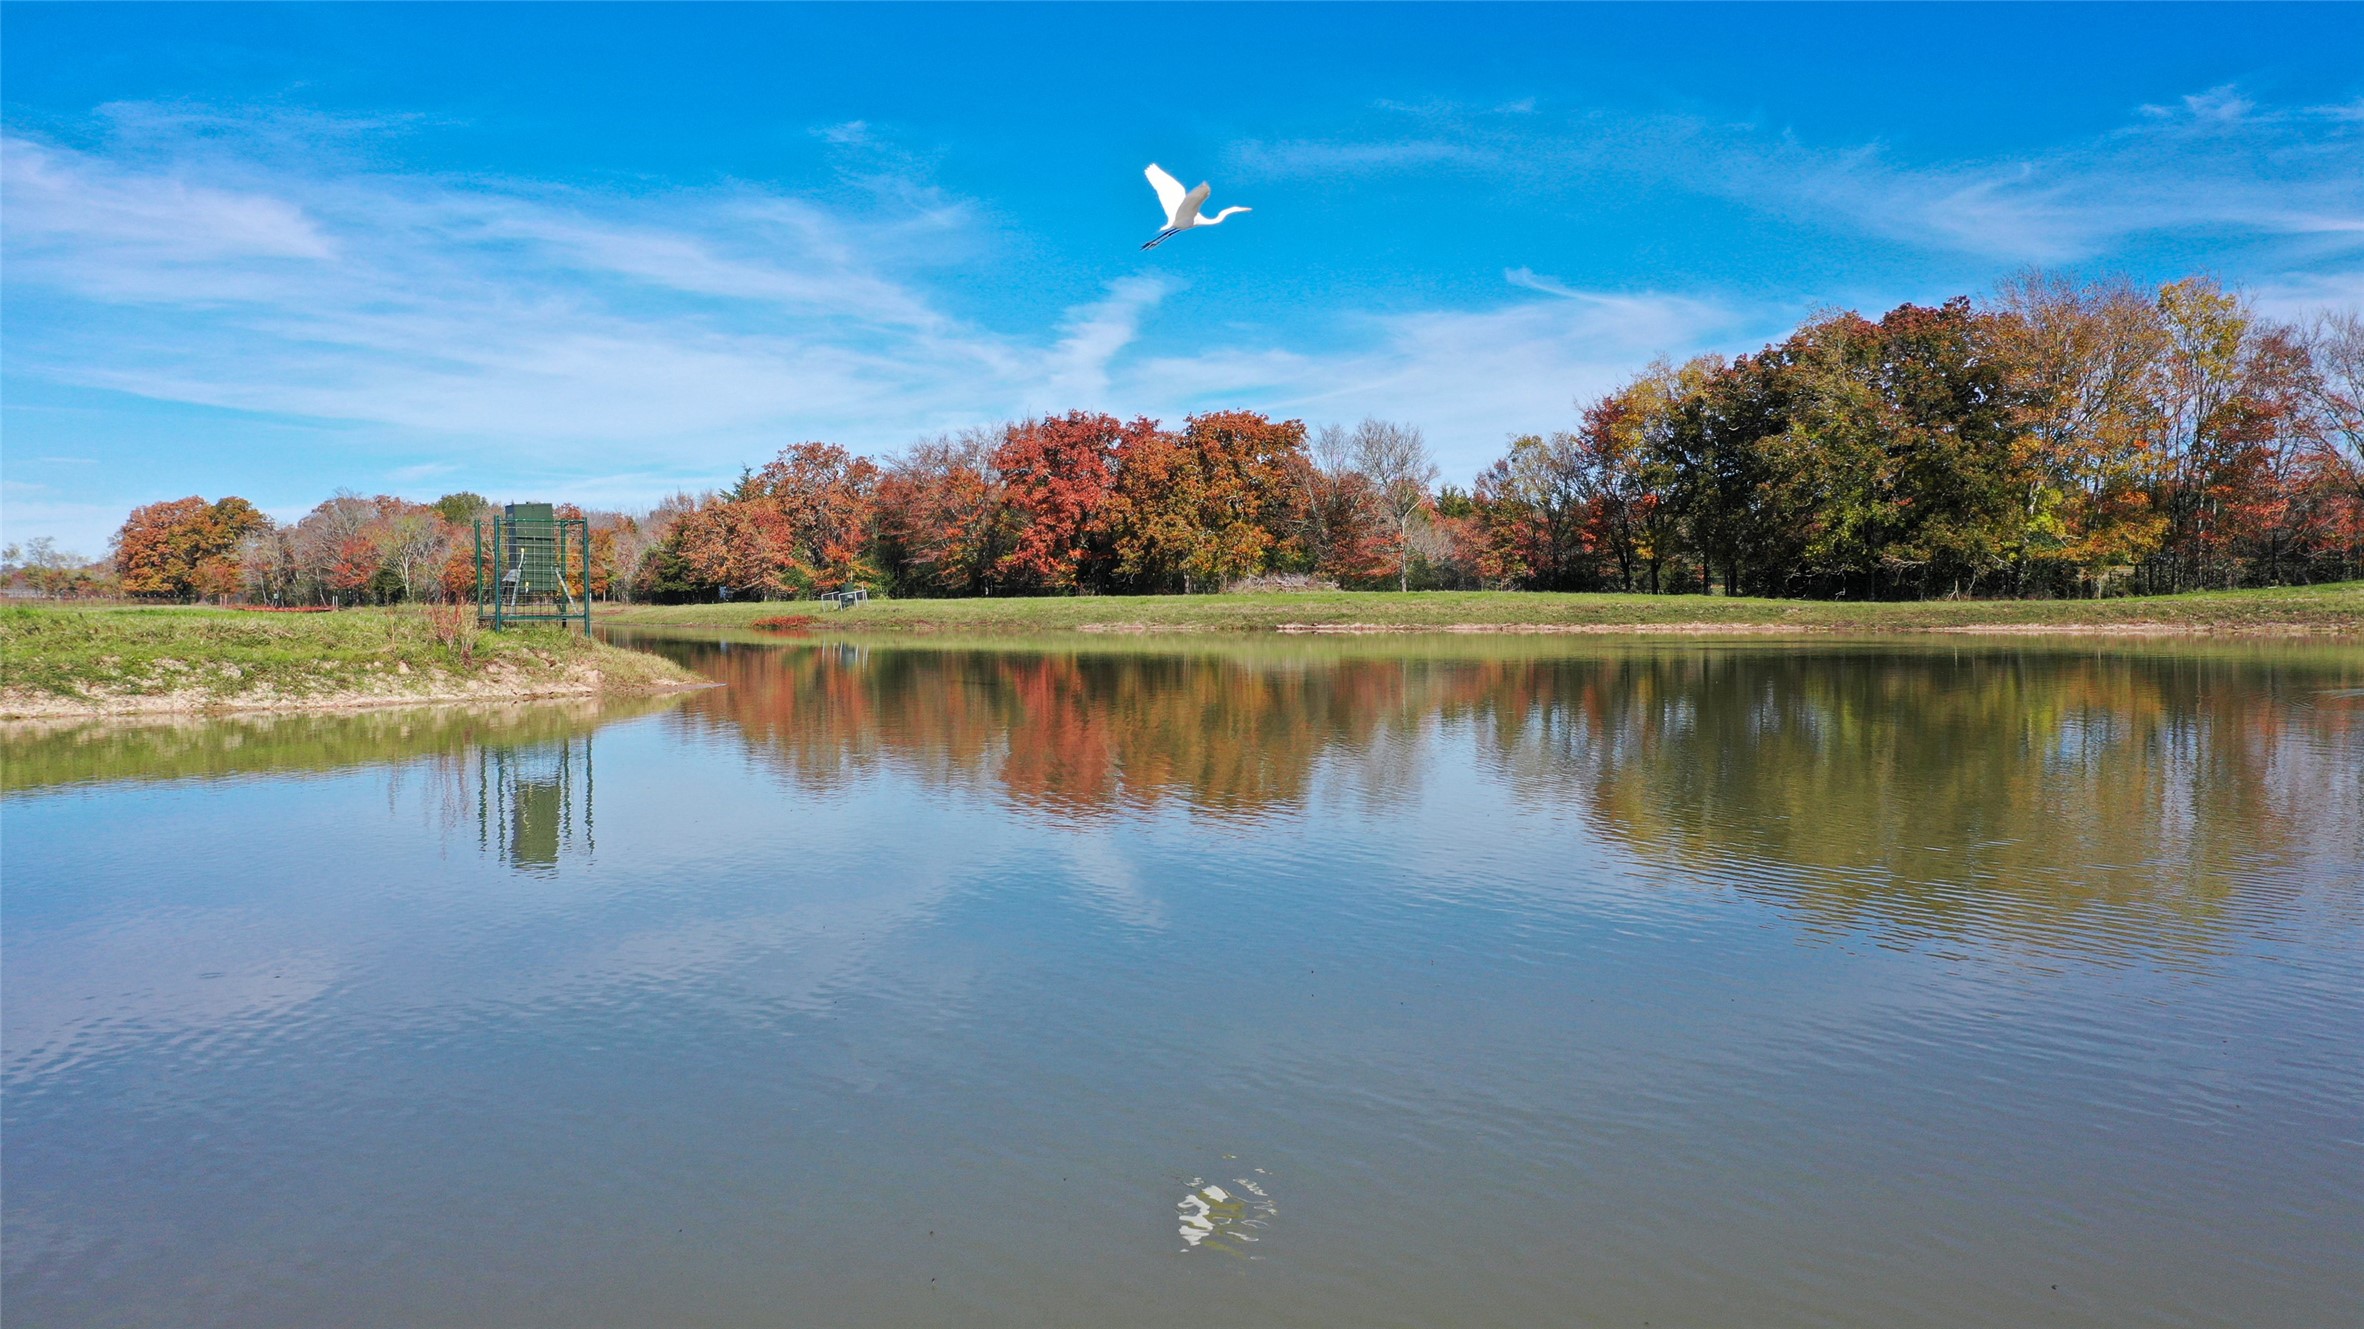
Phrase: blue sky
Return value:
(601, 253)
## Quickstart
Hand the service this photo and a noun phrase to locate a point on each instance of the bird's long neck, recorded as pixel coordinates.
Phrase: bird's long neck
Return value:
(1218, 217)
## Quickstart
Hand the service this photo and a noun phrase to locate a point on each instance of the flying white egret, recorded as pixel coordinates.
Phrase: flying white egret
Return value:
(1181, 209)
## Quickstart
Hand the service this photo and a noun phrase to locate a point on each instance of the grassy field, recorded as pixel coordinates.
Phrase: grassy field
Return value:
(63, 661)
(2309, 611)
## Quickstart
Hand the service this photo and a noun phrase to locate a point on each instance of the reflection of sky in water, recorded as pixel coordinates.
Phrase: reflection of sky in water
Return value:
(1230, 1219)
(1545, 995)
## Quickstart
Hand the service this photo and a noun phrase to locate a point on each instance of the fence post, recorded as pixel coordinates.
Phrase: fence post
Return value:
(500, 526)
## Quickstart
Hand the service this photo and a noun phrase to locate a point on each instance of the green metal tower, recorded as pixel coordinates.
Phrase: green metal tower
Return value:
(533, 566)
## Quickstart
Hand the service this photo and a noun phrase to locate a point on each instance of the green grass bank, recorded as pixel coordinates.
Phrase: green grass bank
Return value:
(66, 662)
(2326, 611)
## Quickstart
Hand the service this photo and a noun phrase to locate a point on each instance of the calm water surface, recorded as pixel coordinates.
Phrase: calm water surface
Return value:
(1462, 984)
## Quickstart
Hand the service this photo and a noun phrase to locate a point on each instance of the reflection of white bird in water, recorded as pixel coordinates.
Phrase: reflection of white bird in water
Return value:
(1181, 209)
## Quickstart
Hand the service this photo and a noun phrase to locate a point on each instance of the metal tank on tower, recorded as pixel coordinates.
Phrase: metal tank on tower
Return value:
(533, 566)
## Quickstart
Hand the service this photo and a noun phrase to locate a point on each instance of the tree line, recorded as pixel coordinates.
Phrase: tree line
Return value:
(2065, 438)
(2062, 437)
(350, 550)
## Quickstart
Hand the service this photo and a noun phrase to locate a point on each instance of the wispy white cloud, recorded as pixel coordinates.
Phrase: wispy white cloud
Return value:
(465, 308)
(1092, 337)
(79, 527)
(1298, 157)
(2299, 297)
(66, 210)
(2213, 163)
(2214, 166)
(1472, 377)
(2222, 104)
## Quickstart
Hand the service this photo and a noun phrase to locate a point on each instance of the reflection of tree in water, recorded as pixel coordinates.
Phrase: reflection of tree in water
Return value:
(1941, 792)
(1920, 790)
(1074, 734)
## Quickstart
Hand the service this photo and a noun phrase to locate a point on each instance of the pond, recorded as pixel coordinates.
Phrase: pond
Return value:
(1291, 983)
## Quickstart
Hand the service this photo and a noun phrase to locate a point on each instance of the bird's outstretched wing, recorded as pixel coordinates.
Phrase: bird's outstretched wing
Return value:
(1187, 214)
(1169, 191)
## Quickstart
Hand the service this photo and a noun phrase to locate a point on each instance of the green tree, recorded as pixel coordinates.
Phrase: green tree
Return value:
(461, 508)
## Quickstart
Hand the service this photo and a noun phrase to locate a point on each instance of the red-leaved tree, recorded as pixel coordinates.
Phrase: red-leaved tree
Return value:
(1057, 475)
(942, 526)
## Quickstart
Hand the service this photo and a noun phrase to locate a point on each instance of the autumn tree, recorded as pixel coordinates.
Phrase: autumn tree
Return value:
(1534, 514)
(2336, 352)
(616, 549)
(2207, 331)
(1396, 460)
(1949, 425)
(1343, 532)
(801, 523)
(1459, 543)
(1213, 503)
(462, 508)
(653, 554)
(1853, 456)
(353, 568)
(329, 549)
(1057, 478)
(50, 571)
(162, 546)
(2087, 359)
(1624, 472)
(943, 528)
(414, 542)
(630, 540)
(267, 566)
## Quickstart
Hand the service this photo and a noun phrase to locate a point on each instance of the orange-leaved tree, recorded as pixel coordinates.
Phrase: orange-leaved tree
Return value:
(1220, 500)
(799, 524)
(162, 545)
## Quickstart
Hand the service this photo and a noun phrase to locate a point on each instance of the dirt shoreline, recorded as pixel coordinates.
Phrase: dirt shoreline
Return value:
(21, 704)
(1704, 629)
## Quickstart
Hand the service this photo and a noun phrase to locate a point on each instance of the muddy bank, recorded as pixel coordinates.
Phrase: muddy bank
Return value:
(1781, 629)
(21, 704)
